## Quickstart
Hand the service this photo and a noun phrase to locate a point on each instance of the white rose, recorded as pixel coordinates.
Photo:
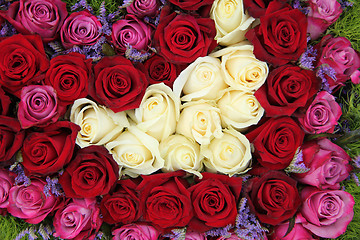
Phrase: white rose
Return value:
(98, 124)
(231, 21)
(229, 154)
(239, 109)
(200, 121)
(242, 70)
(136, 153)
(158, 112)
(202, 79)
(181, 153)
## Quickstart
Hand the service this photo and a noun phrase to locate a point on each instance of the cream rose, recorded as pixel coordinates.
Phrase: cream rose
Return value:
(229, 154)
(203, 79)
(181, 153)
(98, 124)
(231, 21)
(136, 153)
(158, 112)
(239, 109)
(242, 70)
(200, 120)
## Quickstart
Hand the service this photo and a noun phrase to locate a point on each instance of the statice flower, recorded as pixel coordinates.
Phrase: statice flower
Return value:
(297, 5)
(323, 70)
(308, 58)
(107, 19)
(21, 178)
(126, 3)
(7, 30)
(220, 232)
(344, 4)
(45, 231)
(53, 186)
(82, 4)
(30, 232)
(135, 55)
(176, 234)
(297, 164)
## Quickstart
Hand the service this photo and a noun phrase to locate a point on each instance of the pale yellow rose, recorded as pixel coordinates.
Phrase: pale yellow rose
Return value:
(230, 154)
(98, 124)
(231, 21)
(181, 153)
(202, 79)
(158, 112)
(242, 70)
(136, 153)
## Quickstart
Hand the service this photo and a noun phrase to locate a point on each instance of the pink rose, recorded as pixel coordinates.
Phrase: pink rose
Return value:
(38, 106)
(79, 219)
(322, 115)
(135, 231)
(322, 13)
(297, 233)
(326, 213)
(80, 28)
(328, 164)
(141, 8)
(30, 202)
(7, 180)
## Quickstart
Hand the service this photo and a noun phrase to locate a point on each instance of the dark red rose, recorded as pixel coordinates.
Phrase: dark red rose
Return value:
(69, 75)
(286, 89)
(123, 205)
(4, 102)
(118, 84)
(11, 136)
(166, 200)
(276, 142)
(273, 197)
(91, 173)
(49, 149)
(257, 8)
(281, 36)
(214, 199)
(191, 4)
(22, 62)
(182, 38)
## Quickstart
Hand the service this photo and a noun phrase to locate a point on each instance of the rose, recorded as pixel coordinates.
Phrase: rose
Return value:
(326, 213)
(190, 235)
(273, 197)
(38, 106)
(37, 17)
(7, 180)
(92, 172)
(200, 120)
(192, 5)
(340, 56)
(122, 205)
(287, 88)
(23, 61)
(229, 154)
(276, 142)
(231, 21)
(30, 203)
(136, 152)
(322, 13)
(328, 164)
(78, 219)
(166, 200)
(142, 8)
(233, 236)
(242, 70)
(136, 231)
(98, 124)
(5, 101)
(181, 153)
(214, 200)
(158, 112)
(118, 84)
(281, 36)
(181, 39)
(257, 8)
(80, 28)
(11, 136)
(69, 75)
(322, 115)
(298, 232)
(49, 149)
(239, 109)
(202, 79)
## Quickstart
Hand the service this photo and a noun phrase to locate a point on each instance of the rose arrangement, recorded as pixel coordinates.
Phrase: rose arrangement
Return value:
(174, 120)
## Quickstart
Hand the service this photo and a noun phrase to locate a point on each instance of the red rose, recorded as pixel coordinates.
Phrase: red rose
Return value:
(281, 36)
(191, 4)
(118, 84)
(123, 205)
(91, 173)
(11, 136)
(166, 201)
(4, 102)
(276, 142)
(182, 38)
(48, 150)
(273, 197)
(22, 62)
(257, 8)
(214, 200)
(69, 75)
(287, 88)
